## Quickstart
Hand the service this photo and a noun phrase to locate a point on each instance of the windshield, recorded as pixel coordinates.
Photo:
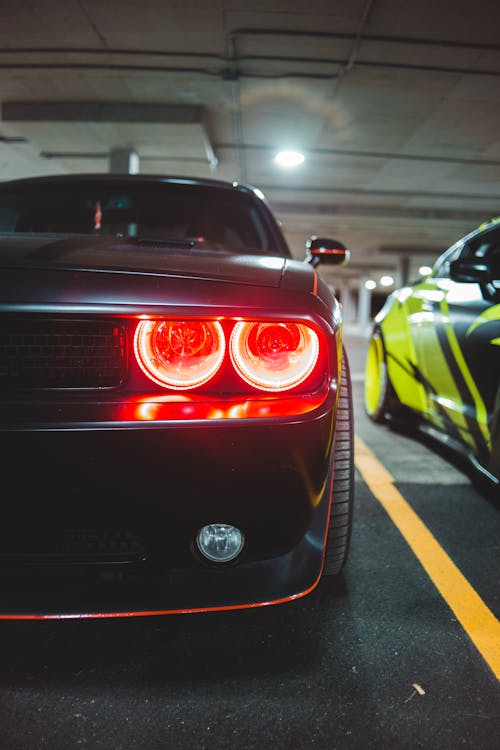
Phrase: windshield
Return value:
(217, 217)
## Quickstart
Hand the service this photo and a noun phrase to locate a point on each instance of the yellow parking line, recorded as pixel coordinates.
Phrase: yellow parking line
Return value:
(476, 618)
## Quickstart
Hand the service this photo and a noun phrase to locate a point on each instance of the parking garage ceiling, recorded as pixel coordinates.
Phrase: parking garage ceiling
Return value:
(395, 105)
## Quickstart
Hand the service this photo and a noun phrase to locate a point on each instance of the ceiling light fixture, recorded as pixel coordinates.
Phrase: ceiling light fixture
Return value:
(289, 158)
(386, 281)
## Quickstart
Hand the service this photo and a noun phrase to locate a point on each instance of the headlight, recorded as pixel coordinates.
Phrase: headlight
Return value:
(274, 356)
(179, 354)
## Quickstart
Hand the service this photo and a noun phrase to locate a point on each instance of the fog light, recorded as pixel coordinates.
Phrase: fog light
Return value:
(220, 542)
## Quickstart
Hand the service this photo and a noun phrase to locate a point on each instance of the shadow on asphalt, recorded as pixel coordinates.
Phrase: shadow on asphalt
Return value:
(208, 646)
(482, 485)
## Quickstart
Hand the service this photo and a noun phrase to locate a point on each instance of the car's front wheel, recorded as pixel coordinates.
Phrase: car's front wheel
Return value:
(380, 398)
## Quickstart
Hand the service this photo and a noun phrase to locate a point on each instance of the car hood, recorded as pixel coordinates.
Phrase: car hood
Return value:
(125, 255)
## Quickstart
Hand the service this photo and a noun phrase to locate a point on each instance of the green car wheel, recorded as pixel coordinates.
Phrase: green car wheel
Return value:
(380, 398)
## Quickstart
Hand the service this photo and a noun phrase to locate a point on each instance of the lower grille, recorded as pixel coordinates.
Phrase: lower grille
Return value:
(55, 353)
(70, 547)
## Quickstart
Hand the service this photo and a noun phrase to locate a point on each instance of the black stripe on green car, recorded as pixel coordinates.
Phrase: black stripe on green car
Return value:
(481, 430)
(448, 424)
(459, 375)
(466, 396)
(380, 400)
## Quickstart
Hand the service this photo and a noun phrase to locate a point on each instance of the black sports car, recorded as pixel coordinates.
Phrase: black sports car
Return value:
(176, 412)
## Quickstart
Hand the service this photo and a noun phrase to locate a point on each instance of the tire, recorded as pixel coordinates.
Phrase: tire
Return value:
(381, 401)
(340, 521)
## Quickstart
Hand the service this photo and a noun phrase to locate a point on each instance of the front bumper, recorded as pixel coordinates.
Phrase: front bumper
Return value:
(161, 482)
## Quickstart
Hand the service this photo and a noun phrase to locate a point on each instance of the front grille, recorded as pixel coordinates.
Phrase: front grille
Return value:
(69, 547)
(55, 353)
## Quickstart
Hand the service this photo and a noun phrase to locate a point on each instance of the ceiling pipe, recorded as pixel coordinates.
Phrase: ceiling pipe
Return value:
(222, 73)
(320, 152)
(450, 43)
(366, 37)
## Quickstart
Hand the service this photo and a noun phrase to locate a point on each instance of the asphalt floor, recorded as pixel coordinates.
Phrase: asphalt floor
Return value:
(373, 659)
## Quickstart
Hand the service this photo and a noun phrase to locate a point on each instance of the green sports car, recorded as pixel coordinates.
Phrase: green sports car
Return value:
(434, 354)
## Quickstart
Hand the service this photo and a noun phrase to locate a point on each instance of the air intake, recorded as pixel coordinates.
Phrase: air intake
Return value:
(56, 353)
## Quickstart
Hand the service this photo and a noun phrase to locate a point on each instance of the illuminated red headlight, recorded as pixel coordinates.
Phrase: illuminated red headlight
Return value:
(274, 356)
(179, 354)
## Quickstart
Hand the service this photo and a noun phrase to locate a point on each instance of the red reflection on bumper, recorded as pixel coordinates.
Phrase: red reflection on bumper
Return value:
(171, 408)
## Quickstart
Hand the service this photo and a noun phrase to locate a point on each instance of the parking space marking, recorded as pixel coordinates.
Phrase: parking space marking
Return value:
(476, 618)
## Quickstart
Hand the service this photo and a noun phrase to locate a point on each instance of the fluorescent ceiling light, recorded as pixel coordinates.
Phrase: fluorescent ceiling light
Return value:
(289, 158)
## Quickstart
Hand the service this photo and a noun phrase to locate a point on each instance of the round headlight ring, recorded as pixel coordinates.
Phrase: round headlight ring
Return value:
(179, 354)
(274, 356)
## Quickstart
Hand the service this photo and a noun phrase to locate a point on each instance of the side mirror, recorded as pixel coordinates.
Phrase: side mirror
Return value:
(323, 250)
(470, 271)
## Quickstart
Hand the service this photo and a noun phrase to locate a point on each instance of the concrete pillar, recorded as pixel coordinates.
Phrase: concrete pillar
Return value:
(365, 298)
(348, 303)
(123, 161)
(403, 270)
